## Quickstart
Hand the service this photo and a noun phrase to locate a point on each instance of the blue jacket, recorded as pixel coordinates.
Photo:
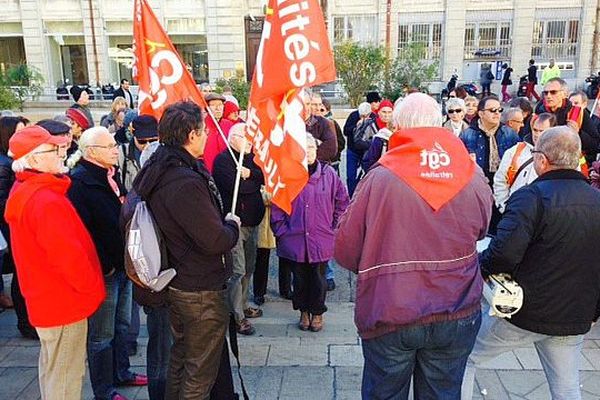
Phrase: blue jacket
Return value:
(477, 143)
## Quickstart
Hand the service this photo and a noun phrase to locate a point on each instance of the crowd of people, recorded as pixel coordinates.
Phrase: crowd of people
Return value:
(425, 187)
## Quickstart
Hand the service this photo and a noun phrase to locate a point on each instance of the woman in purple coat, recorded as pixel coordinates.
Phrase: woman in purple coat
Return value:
(305, 238)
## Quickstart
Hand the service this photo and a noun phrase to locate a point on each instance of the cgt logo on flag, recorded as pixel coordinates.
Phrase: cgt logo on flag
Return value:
(295, 43)
(161, 75)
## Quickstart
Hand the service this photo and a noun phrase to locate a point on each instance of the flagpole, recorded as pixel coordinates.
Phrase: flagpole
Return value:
(209, 111)
(238, 176)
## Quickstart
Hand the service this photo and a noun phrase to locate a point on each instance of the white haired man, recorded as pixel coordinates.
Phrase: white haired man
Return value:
(544, 242)
(513, 118)
(97, 195)
(417, 319)
(251, 210)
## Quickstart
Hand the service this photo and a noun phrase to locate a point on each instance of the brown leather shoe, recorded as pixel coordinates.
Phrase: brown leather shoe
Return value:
(316, 324)
(5, 300)
(304, 323)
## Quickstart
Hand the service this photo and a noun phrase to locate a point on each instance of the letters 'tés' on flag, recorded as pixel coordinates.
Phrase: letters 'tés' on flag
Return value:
(294, 53)
(162, 76)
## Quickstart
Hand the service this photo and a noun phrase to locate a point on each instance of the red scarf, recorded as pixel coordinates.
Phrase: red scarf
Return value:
(432, 161)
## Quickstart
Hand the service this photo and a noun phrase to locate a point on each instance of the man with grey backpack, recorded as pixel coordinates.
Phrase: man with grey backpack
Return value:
(198, 237)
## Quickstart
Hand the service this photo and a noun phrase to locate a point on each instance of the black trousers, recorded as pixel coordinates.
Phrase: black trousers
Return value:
(285, 276)
(19, 302)
(310, 287)
(260, 277)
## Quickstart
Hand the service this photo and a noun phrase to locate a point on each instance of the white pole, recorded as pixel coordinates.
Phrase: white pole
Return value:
(238, 176)
(209, 111)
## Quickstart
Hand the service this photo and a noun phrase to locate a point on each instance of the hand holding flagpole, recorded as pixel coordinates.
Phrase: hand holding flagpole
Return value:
(238, 177)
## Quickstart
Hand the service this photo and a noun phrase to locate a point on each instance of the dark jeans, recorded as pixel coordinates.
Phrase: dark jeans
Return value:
(134, 326)
(433, 355)
(285, 276)
(486, 89)
(107, 337)
(310, 287)
(260, 278)
(19, 302)
(160, 341)
(353, 160)
(198, 323)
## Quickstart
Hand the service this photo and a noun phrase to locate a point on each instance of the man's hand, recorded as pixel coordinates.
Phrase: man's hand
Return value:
(245, 173)
(234, 218)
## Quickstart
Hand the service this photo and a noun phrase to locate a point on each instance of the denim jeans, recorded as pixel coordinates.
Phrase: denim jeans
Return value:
(134, 326)
(107, 337)
(329, 272)
(244, 262)
(434, 356)
(160, 340)
(352, 167)
(559, 355)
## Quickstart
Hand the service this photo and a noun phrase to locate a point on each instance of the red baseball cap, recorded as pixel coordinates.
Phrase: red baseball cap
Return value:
(27, 139)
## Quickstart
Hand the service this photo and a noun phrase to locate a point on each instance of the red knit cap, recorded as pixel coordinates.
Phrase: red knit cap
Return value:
(78, 117)
(386, 103)
(229, 107)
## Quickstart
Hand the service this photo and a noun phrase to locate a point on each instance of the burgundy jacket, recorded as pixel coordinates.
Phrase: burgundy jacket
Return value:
(415, 266)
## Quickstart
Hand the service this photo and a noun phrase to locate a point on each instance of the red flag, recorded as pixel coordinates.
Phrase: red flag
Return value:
(294, 53)
(161, 74)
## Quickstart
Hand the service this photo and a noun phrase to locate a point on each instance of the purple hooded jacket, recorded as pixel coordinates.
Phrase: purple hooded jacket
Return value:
(308, 234)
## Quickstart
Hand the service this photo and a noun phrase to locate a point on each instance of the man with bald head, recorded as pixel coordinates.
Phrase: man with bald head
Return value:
(546, 242)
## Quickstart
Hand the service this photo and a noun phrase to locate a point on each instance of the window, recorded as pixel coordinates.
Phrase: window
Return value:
(429, 35)
(555, 39)
(12, 52)
(487, 40)
(358, 28)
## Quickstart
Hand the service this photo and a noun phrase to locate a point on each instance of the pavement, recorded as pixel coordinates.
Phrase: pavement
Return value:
(282, 362)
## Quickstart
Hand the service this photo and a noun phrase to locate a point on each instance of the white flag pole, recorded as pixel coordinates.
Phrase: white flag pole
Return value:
(238, 176)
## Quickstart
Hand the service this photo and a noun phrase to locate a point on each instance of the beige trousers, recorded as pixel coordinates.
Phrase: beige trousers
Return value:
(62, 361)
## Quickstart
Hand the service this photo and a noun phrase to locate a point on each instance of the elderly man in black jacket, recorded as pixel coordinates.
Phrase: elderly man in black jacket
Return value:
(188, 209)
(546, 241)
(251, 209)
(96, 193)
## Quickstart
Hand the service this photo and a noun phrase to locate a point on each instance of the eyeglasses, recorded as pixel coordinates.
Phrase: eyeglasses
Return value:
(454, 111)
(495, 110)
(107, 147)
(539, 152)
(516, 121)
(552, 92)
(55, 150)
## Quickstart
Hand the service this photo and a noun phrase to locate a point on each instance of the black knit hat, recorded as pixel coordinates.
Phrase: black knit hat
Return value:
(54, 127)
(373, 97)
(76, 92)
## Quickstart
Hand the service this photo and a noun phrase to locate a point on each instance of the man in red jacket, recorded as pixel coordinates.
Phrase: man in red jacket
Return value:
(59, 270)
(215, 143)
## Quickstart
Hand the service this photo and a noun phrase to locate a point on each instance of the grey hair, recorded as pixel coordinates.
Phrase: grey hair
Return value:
(455, 102)
(87, 138)
(563, 84)
(562, 146)
(509, 114)
(581, 94)
(417, 110)
(364, 109)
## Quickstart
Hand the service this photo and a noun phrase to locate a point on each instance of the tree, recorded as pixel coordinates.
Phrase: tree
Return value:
(8, 100)
(359, 67)
(410, 70)
(239, 88)
(25, 82)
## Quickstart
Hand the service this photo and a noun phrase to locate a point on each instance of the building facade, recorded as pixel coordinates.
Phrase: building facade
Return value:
(89, 41)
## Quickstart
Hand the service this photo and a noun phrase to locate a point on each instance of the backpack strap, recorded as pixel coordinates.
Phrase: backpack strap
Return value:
(236, 351)
(514, 170)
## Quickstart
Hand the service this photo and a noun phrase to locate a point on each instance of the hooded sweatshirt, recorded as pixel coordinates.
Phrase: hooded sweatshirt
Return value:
(59, 270)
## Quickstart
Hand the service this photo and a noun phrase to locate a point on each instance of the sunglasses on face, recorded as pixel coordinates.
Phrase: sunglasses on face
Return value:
(146, 141)
(454, 111)
(495, 110)
(552, 92)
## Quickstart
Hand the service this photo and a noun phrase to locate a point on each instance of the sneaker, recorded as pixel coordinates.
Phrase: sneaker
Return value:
(253, 312)
(137, 380)
(330, 284)
(244, 327)
(5, 300)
